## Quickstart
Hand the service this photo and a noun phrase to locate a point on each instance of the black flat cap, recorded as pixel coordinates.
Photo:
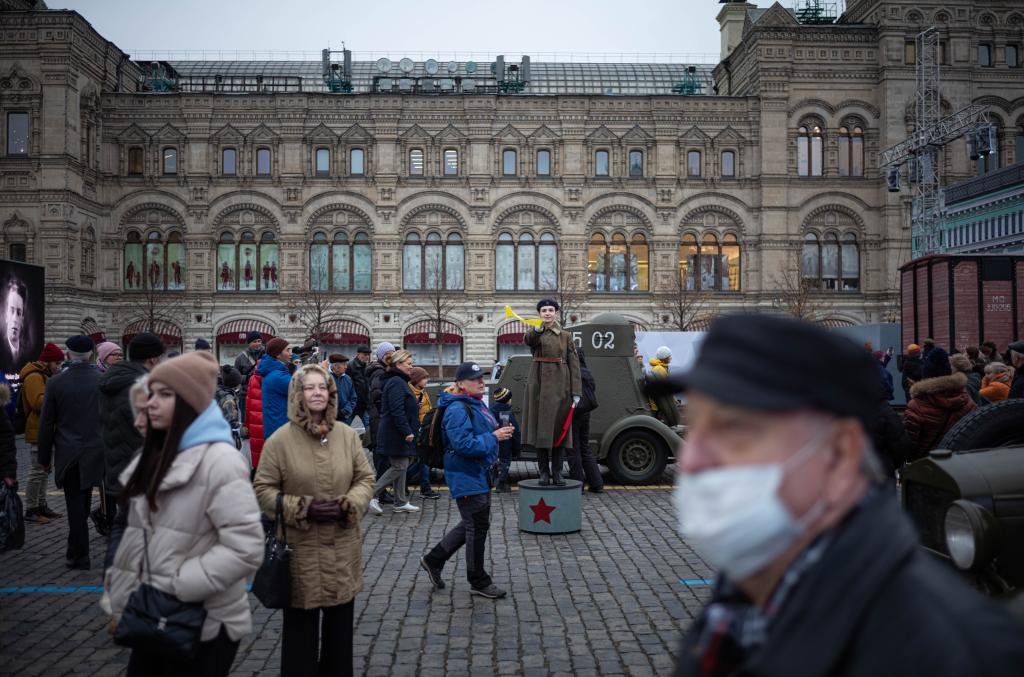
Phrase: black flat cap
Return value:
(772, 363)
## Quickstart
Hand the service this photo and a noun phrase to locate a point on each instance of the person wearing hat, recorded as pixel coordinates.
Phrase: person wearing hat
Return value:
(357, 372)
(501, 409)
(120, 438)
(418, 379)
(33, 378)
(995, 386)
(192, 520)
(70, 438)
(247, 360)
(472, 436)
(275, 372)
(375, 385)
(910, 366)
(778, 489)
(664, 407)
(937, 402)
(203, 344)
(107, 353)
(552, 389)
(324, 481)
(1016, 351)
(347, 398)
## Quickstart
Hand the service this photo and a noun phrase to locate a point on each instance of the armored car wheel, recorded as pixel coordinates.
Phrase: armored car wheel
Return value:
(637, 456)
(994, 425)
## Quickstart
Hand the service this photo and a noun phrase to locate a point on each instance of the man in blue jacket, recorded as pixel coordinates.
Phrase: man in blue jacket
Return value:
(347, 397)
(471, 447)
(276, 376)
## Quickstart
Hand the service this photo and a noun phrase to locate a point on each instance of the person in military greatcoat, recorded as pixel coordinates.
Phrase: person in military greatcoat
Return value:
(553, 388)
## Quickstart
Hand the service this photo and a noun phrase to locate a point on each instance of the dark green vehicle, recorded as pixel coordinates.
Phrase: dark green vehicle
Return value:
(966, 499)
(624, 434)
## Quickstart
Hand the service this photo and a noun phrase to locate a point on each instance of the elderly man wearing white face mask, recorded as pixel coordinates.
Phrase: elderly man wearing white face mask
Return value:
(779, 489)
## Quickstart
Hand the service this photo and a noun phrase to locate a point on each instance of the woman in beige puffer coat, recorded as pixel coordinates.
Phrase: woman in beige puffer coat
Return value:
(319, 466)
(187, 497)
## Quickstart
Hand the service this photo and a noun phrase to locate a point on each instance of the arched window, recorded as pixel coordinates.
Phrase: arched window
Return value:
(620, 265)
(508, 162)
(322, 160)
(17, 134)
(829, 264)
(357, 165)
(543, 163)
(851, 151)
(247, 264)
(262, 162)
(526, 264)
(156, 262)
(636, 163)
(416, 162)
(341, 264)
(809, 150)
(693, 163)
(711, 265)
(601, 163)
(433, 263)
(229, 161)
(170, 160)
(728, 163)
(451, 162)
(135, 161)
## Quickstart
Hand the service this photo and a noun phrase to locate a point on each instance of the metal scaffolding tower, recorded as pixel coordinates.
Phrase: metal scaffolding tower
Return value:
(920, 152)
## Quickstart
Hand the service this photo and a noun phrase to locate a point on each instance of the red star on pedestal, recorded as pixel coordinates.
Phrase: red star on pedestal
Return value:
(542, 512)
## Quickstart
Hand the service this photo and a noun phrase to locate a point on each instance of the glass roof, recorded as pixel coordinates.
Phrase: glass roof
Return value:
(610, 79)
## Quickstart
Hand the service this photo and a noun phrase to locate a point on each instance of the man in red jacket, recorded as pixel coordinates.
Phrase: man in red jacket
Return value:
(254, 415)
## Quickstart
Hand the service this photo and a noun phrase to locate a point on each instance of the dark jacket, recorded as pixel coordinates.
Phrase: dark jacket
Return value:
(347, 398)
(357, 372)
(935, 405)
(876, 604)
(399, 416)
(911, 366)
(1017, 385)
(886, 380)
(510, 447)
(69, 429)
(375, 386)
(246, 363)
(889, 436)
(471, 445)
(276, 378)
(8, 450)
(120, 438)
(974, 388)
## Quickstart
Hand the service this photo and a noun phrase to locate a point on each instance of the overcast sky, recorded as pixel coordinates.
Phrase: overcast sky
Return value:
(417, 28)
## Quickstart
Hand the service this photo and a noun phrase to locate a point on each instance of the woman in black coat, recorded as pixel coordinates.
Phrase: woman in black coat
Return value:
(396, 433)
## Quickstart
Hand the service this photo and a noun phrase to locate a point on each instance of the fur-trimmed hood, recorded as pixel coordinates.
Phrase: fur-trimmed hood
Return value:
(297, 411)
(952, 384)
(5, 395)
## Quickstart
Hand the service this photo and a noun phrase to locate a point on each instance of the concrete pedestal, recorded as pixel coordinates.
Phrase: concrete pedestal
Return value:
(550, 510)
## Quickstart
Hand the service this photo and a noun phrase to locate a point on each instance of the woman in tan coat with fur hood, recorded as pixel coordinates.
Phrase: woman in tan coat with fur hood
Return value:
(319, 466)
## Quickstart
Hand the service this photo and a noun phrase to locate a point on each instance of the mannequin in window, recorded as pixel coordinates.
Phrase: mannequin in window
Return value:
(266, 275)
(273, 273)
(130, 274)
(225, 275)
(553, 387)
(177, 274)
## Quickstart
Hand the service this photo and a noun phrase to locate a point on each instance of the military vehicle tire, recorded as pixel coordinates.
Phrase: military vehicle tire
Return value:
(994, 425)
(637, 456)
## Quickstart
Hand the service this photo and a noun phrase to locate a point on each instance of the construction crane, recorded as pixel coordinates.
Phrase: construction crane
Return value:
(920, 152)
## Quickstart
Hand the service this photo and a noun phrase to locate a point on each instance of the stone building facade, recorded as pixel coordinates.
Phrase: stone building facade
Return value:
(216, 211)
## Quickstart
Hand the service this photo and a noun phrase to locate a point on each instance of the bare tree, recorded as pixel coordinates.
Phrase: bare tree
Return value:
(436, 303)
(157, 306)
(318, 305)
(571, 293)
(685, 307)
(793, 295)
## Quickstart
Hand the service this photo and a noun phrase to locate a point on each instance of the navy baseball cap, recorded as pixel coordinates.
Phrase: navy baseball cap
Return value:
(469, 371)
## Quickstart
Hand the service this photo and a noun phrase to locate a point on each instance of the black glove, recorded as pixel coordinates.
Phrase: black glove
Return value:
(324, 511)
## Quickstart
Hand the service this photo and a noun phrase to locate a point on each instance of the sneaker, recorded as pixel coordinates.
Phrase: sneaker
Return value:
(431, 494)
(433, 573)
(375, 507)
(387, 498)
(406, 507)
(99, 521)
(33, 515)
(49, 514)
(490, 592)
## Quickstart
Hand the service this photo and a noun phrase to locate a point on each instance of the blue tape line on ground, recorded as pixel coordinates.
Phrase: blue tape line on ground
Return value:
(696, 581)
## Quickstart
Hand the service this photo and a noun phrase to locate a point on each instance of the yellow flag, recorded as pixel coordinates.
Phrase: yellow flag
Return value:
(511, 313)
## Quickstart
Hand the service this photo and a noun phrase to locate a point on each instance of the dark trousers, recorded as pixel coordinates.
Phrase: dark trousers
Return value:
(213, 659)
(317, 642)
(381, 463)
(471, 532)
(582, 462)
(78, 502)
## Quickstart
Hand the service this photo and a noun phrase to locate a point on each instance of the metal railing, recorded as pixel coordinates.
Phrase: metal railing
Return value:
(985, 184)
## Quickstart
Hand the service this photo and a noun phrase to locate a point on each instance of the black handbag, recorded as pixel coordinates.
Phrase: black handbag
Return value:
(273, 582)
(158, 622)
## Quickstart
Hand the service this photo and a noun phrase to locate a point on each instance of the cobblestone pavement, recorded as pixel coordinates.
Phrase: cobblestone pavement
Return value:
(609, 600)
